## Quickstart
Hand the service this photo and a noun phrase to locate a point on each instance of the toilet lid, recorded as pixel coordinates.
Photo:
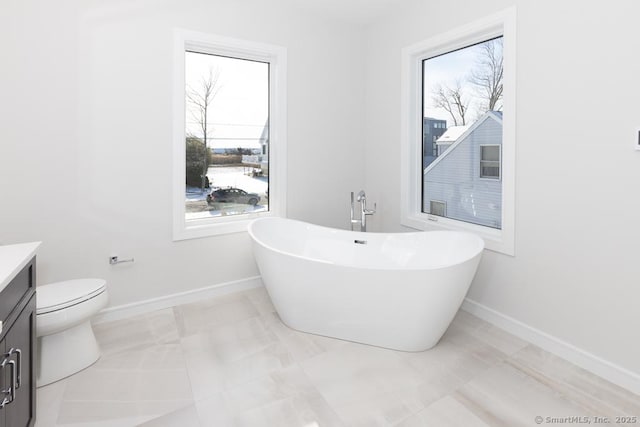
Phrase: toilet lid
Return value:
(59, 295)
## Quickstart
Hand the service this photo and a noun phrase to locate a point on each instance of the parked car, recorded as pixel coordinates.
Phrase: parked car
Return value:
(232, 195)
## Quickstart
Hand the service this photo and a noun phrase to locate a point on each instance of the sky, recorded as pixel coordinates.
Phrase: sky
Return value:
(240, 110)
(446, 69)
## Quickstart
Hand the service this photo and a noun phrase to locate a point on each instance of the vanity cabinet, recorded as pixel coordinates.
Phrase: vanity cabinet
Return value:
(17, 349)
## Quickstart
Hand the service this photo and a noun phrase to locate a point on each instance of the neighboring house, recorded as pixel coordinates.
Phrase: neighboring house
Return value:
(432, 129)
(464, 183)
(449, 137)
(260, 160)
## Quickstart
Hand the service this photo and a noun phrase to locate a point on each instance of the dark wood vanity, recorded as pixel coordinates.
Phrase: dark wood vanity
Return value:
(18, 336)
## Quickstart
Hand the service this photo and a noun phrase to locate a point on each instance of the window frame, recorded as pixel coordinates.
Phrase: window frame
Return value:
(499, 161)
(500, 24)
(276, 56)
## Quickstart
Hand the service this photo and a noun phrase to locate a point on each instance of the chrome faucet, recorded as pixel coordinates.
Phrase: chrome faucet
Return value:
(362, 198)
(353, 220)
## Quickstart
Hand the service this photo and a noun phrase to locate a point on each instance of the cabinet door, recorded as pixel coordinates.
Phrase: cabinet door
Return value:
(21, 337)
(5, 379)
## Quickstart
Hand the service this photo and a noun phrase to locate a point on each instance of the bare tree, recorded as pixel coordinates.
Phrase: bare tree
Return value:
(453, 101)
(488, 73)
(200, 99)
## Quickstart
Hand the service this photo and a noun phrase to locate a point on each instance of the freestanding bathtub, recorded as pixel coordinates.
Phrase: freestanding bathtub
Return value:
(393, 290)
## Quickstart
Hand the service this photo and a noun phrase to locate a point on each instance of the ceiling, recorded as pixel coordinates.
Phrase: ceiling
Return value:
(360, 12)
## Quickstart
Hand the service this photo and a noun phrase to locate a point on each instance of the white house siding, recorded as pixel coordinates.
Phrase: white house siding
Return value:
(455, 179)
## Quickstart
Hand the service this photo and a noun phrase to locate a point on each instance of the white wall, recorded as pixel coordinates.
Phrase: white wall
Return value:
(85, 110)
(85, 117)
(575, 275)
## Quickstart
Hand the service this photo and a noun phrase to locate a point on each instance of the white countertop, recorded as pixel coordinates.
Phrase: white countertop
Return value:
(13, 258)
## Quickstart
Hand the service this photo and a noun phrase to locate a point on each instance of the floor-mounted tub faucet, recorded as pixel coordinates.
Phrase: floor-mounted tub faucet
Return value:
(353, 220)
(362, 198)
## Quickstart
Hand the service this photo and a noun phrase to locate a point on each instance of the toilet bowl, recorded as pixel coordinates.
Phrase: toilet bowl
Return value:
(66, 343)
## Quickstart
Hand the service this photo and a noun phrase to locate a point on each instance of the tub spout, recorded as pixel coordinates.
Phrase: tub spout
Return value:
(365, 212)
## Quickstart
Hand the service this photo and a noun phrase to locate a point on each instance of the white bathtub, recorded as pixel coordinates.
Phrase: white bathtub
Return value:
(395, 290)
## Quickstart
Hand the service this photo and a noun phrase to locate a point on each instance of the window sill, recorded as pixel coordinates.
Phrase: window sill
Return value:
(195, 229)
(494, 239)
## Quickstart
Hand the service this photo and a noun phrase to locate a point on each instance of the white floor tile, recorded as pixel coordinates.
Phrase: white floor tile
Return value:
(444, 412)
(283, 398)
(184, 417)
(366, 385)
(230, 361)
(158, 327)
(260, 299)
(508, 395)
(232, 354)
(49, 398)
(128, 387)
(225, 310)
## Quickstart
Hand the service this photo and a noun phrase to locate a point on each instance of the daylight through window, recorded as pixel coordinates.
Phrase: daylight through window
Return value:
(459, 131)
(227, 136)
(462, 133)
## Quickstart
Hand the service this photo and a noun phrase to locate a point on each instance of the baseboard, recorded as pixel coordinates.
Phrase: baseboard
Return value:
(590, 362)
(141, 307)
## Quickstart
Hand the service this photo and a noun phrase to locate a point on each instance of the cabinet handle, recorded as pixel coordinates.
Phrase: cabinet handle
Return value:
(19, 359)
(11, 390)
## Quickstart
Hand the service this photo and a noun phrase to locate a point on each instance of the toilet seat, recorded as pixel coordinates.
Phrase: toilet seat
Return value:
(61, 295)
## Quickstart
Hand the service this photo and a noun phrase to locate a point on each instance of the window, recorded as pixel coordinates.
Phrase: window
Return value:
(226, 126)
(465, 79)
(490, 161)
(229, 133)
(437, 208)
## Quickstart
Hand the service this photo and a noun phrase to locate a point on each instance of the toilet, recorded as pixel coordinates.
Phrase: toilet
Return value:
(66, 343)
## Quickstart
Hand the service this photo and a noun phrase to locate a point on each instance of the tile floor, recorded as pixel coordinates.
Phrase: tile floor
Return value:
(229, 361)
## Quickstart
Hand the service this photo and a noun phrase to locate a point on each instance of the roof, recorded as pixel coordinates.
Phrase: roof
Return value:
(495, 115)
(452, 134)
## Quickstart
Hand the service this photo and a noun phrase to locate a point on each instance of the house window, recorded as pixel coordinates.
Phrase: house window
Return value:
(229, 133)
(437, 208)
(464, 78)
(490, 161)
(465, 85)
(226, 124)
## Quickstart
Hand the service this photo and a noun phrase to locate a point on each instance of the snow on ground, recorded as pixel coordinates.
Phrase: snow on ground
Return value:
(235, 177)
(194, 194)
(229, 209)
(229, 177)
(223, 177)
